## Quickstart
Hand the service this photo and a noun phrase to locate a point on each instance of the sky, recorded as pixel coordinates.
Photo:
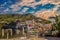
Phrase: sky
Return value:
(29, 6)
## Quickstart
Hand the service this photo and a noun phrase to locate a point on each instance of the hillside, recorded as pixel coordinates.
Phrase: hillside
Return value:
(23, 17)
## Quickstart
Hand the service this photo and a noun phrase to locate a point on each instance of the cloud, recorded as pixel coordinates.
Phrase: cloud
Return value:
(30, 6)
(45, 14)
(58, 11)
(6, 10)
(15, 7)
(45, 4)
(25, 9)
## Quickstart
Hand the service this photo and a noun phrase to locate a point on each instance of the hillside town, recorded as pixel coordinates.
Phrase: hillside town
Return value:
(35, 27)
(29, 19)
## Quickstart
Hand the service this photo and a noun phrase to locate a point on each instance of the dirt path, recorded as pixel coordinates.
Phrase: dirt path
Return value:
(25, 38)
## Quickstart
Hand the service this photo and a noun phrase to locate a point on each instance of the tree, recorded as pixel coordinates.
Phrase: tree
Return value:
(56, 25)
